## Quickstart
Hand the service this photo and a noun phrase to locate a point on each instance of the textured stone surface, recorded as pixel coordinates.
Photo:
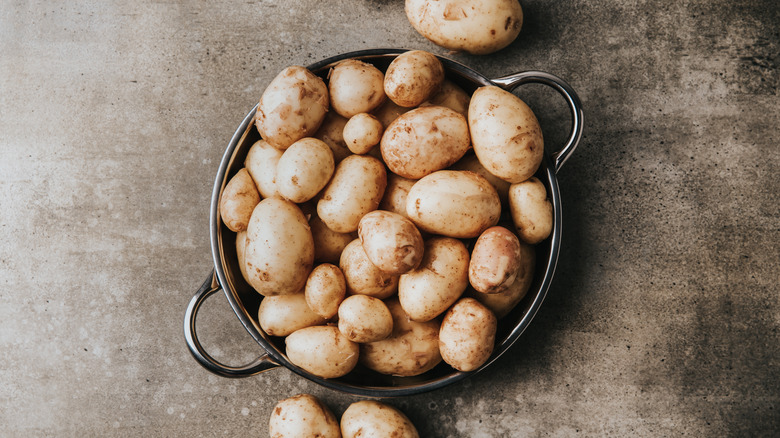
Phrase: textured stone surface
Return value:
(663, 317)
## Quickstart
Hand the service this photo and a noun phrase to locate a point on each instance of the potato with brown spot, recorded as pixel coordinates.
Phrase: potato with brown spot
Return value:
(362, 276)
(531, 211)
(238, 200)
(413, 77)
(325, 290)
(261, 163)
(495, 260)
(362, 132)
(355, 189)
(397, 190)
(355, 87)
(374, 419)
(364, 319)
(467, 335)
(503, 302)
(322, 350)
(281, 315)
(303, 415)
(391, 242)
(304, 169)
(452, 96)
(471, 163)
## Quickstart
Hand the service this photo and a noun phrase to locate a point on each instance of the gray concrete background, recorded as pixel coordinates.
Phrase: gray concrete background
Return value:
(662, 320)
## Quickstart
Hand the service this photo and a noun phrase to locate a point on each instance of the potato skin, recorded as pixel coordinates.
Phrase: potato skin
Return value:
(362, 276)
(355, 87)
(356, 188)
(240, 251)
(471, 162)
(495, 260)
(397, 190)
(332, 133)
(452, 96)
(362, 132)
(503, 302)
(370, 418)
(322, 350)
(281, 315)
(238, 200)
(304, 169)
(531, 211)
(468, 335)
(328, 244)
(391, 242)
(325, 290)
(364, 319)
(303, 415)
(261, 163)
(413, 77)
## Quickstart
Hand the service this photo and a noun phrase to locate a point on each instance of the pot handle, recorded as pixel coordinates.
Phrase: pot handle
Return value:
(262, 363)
(513, 81)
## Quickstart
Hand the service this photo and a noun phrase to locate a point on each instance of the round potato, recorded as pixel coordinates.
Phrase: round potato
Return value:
(355, 87)
(396, 192)
(322, 350)
(429, 290)
(503, 302)
(328, 244)
(304, 169)
(292, 107)
(332, 133)
(362, 276)
(362, 132)
(495, 260)
(413, 77)
(475, 26)
(283, 314)
(531, 211)
(325, 290)
(391, 241)
(356, 188)
(467, 335)
(261, 163)
(279, 248)
(411, 349)
(374, 419)
(425, 140)
(451, 96)
(471, 162)
(453, 203)
(505, 134)
(303, 415)
(364, 319)
(238, 200)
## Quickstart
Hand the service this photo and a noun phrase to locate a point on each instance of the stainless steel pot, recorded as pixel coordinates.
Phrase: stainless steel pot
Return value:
(226, 275)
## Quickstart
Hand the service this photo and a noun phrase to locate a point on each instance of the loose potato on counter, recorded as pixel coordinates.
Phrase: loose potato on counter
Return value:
(281, 315)
(362, 276)
(373, 419)
(303, 416)
(503, 302)
(451, 96)
(391, 242)
(328, 244)
(531, 211)
(322, 350)
(332, 133)
(355, 189)
(304, 169)
(396, 192)
(292, 107)
(325, 290)
(364, 319)
(495, 260)
(467, 335)
(355, 87)
(413, 77)
(238, 200)
(261, 162)
(362, 132)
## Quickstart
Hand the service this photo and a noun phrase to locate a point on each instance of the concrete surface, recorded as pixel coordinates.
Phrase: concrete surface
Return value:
(663, 318)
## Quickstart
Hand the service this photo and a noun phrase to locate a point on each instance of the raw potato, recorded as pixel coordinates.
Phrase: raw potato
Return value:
(425, 140)
(413, 77)
(467, 335)
(471, 162)
(453, 203)
(429, 290)
(325, 290)
(356, 188)
(373, 419)
(362, 132)
(240, 251)
(355, 87)
(362, 276)
(505, 134)
(332, 133)
(328, 244)
(531, 211)
(279, 248)
(451, 96)
(238, 200)
(261, 163)
(292, 107)
(283, 314)
(303, 415)
(364, 319)
(389, 111)
(322, 350)
(304, 169)
(503, 302)
(396, 192)
(391, 242)
(495, 260)
(411, 349)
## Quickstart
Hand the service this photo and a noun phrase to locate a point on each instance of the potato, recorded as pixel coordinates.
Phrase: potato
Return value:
(391, 242)
(238, 200)
(362, 132)
(279, 248)
(471, 162)
(475, 26)
(355, 87)
(429, 290)
(261, 163)
(332, 133)
(292, 107)
(356, 188)
(413, 77)
(467, 335)
(240, 251)
(388, 111)
(505, 134)
(328, 244)
(495, 260)
(362, 276)
(411, 349)
(304, 169)
(396, 192)
(283, 314)
(453, 203)
(325, 290)
(364, 319)
(531, 211)
(322, 350)
(425, 140)
(451, 96)
(503, 302)
(374, 419)
(303, 415)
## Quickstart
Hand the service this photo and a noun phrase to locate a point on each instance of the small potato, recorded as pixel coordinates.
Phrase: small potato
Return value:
(451, 96)
(322, 350)
(362, 132)
(467, 335)
(283, 314)
(325, 290)
(240, 253)
(391, 242)
(304, 169)
(388, 111)
(531, 211)
(332, 133)
(355, 87)
(362, 276)
(453, 203)
(292, 107)
(261, 163)
(471, 162)
(495, 260)
(396, 192)
(429, 290)
(411, 349)
(413, 77)
(356, 188)
(374, 419)
(238, 200)
(328, 244)
(505, 134)
(303, 416)
(503, 302)
(364, 319)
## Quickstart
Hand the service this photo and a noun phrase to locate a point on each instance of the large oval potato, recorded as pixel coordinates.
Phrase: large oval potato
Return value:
(303, 415)
(322, 350)
(475, 26)
(364, 319)
(304, 169)
(374, 419)
(413, 77)
(453, 203)
(279, 248)
(397, 190)
(238, 200)
(505, 134)
(467, 335)
(362, 276)
(292, 107)
(531, 211)
(325, 290)
(495, 260)
(391, 241)
(357, 187)
(261, 162)
(503, 302)
(281, 315)
(355, 87)
(328, 244)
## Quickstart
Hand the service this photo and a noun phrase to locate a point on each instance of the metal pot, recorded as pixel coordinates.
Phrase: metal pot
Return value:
(226, 275)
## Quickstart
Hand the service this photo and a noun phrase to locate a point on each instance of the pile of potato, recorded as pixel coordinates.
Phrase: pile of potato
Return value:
(369, 216)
